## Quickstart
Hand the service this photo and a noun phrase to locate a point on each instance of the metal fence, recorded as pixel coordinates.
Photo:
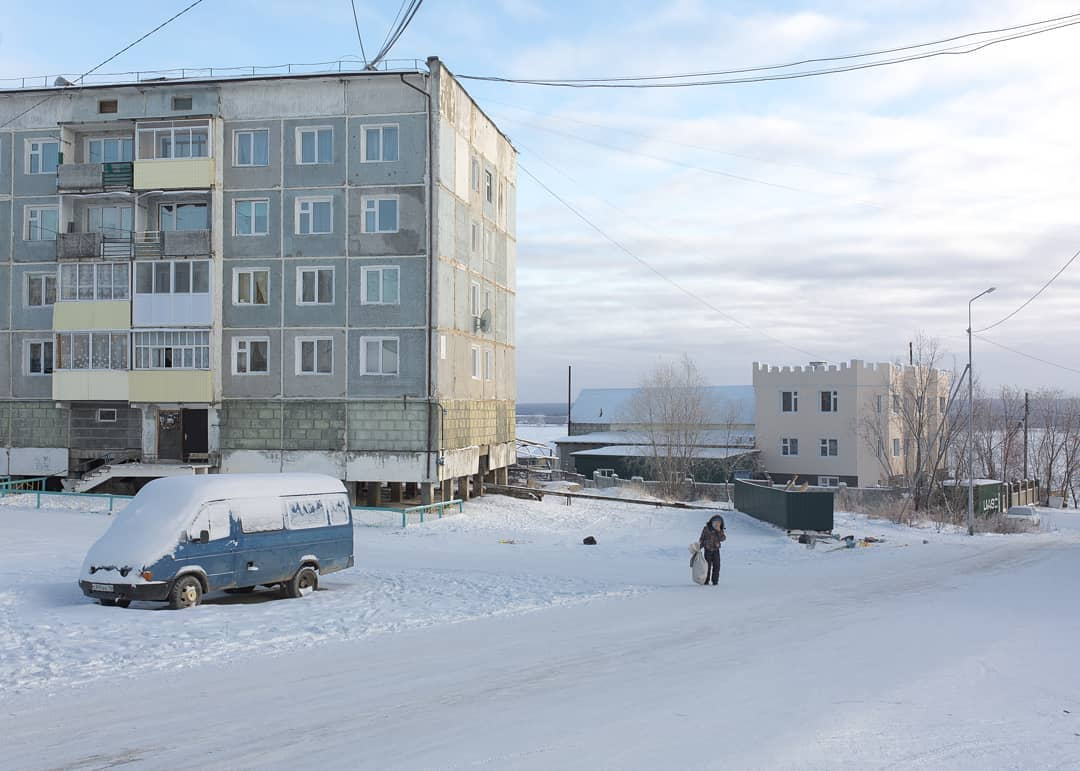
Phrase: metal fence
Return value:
(106, 503)
(375, 516)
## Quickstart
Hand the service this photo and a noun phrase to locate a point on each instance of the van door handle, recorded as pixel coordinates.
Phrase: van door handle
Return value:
(252, 566)
(234, 543)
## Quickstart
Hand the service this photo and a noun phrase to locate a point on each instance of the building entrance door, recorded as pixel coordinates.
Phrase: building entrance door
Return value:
(195, 444)
(170, 445)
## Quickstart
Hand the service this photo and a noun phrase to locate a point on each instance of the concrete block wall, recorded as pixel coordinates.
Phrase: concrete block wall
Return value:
(314, 425)
(392, 425)
(470, 423)
(37, 424)
(251, 425)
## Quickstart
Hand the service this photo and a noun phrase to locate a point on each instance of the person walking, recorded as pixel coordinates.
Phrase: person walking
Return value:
(712, 535)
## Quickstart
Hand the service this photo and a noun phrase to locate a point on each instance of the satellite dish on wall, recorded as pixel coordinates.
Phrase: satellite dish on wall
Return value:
(62, 81)
(484, 322)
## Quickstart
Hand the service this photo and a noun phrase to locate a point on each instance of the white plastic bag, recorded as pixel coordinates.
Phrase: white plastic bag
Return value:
(699, 568)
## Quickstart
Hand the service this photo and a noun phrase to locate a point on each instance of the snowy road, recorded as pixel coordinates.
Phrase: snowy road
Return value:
(958, 653)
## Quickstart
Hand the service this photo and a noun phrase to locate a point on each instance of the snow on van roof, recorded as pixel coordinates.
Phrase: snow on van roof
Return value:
(150, 525)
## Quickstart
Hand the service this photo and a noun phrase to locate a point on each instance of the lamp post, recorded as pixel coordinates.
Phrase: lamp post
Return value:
(971, 421)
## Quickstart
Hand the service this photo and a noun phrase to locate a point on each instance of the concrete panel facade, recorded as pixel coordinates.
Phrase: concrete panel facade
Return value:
(313, 245)
(409, 311)
(410, 378)
(268, 245)
(23, 384)
(248, 315)
(30, 251)
(411, 235)
(411, 165)
(324, 314)
(24, 316)
(253, 177)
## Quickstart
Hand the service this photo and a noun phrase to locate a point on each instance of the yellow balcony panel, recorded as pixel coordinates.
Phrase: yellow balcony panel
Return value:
(97, 314)
(174, 174)
(171, 385)
(73, 385)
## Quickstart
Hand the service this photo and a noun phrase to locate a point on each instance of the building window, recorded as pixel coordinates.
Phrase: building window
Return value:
(169, 349)
(474, 300)
(380, 143)
(42, 156)
(40, 289)
(110, 149)
(95, 281)
(110, 221)
(489, 187)
(182, 216)
(314, 144)
(314, 216)
(828, 401)
(380, 355)
(314, 286)
(250, 355)
(380, 285)
(489, 365)
(39, 357)
(380, 215)
(896, 448)
(314, 356)
(106, 415)
(442, 347)
(251, 217)
(166, 140)
(251, 148)
(92, 350)
(896, 404)
(879, 401)
(475, 237)
(942, 403)
(789, 401)
(41, 222)
(502, 196)
(474, 352)
(251, 287)
(828, 481)
(789, 446)
(182, 277)
(474, 177)
(181, 103)
(107, 107)
(829, 448)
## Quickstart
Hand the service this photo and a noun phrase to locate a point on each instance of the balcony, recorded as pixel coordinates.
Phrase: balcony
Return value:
(145, 245)
(75, 385)
(78, 246)
(94, 177)
(171, 385)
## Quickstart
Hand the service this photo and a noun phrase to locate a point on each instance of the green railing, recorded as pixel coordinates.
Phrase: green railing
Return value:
(19, 486)
(39, 494)
(418, 513)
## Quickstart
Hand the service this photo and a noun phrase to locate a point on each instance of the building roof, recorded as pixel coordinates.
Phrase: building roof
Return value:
(611, 405)
(709, 438)
(638, 451)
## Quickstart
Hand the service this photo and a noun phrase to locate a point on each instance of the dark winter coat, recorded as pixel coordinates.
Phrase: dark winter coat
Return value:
(711, 538)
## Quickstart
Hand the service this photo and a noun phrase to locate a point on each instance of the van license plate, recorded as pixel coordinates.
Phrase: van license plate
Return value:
(101, 587)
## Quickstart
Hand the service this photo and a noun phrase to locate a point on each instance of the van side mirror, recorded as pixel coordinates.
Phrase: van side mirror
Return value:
(204, 536)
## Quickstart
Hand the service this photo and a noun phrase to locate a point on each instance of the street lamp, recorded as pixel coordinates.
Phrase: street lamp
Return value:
(971, 421)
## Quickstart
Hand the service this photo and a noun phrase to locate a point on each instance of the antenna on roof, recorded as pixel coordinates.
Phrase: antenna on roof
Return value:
(62, 81)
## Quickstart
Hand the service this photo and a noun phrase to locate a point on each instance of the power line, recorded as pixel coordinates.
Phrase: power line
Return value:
(356, 22)
(1031, 299)
(97, 67)
(695, 167)
(658, 272)
(1026, 355)
(646, 82)
(404, 17)
(822, 59)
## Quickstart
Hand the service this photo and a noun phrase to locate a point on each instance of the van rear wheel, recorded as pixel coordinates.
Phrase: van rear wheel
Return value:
(304, 582)
(186, 593)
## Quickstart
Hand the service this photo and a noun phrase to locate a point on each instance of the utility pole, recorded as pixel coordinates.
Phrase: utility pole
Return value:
(569, 381)
(971, 420)
(1025, 435)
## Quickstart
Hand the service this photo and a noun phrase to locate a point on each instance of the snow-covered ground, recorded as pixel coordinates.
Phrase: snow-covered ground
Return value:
(495, 639)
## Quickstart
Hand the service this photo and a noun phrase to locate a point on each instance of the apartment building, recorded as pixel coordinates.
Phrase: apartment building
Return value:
(859, 424)
(302, 272)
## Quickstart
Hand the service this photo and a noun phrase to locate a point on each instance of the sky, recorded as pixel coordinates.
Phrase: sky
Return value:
(827, 219)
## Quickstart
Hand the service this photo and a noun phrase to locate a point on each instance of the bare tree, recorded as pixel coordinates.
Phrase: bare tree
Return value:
(672, 410)
(914, 418)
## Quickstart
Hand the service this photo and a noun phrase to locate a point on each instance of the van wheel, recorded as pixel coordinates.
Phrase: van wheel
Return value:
(304, 582)
(186, 593)
(123, 603)
(108, 603)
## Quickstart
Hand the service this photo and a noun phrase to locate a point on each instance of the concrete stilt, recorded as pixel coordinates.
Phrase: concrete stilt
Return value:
(464, 493)
(410, 489)
(447, 490)
(427, 493)
(478, 484)
(396, 490)
(373, 493)
(502, 476)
